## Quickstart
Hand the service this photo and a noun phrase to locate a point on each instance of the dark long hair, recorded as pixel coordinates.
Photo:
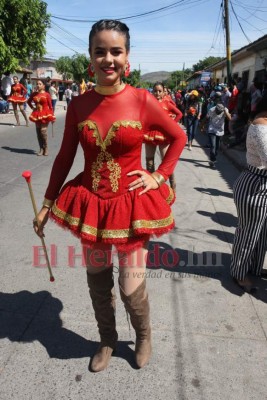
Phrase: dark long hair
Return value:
(110, 25)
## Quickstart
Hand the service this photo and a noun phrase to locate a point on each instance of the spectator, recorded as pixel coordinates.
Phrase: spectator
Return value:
(226, 94)
(68, 94)
(61, 90)
(250, 196)
(256, 97)
(53, 93)
(47, 84)
(4, 106)
(216, 116)
(192, 114)
(6, 84)
(233, 101)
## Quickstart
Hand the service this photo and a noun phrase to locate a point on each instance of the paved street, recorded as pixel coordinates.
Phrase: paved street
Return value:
(209, 339)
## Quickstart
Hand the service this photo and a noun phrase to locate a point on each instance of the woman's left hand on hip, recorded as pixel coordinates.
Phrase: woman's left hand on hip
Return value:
(144, 180)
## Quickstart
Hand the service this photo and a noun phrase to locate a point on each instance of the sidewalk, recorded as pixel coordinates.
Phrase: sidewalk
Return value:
(9, 119)
(236, 155)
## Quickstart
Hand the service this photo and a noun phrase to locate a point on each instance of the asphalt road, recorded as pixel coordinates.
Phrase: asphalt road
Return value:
(209, 339)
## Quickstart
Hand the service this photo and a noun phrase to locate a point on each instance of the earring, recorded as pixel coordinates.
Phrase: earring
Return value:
(127, 69)
(90, 70)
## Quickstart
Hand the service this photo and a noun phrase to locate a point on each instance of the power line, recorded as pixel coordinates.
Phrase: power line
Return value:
(260, 9)
(239, 23)
(69, 33)
(63, 43)
(128, 17)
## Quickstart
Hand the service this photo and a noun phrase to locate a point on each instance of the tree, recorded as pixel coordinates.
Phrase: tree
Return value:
(206, 62)
(63, 66)
(74, 67)
(23, 28)
(177, 77)
(134, 78)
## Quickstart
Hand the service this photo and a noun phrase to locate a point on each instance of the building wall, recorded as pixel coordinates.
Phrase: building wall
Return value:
(43, 69)
(247, 65)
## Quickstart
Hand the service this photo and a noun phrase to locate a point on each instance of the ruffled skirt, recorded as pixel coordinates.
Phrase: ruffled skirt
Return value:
(19, 99)
(42, 116)
(127, 221)
(155, 138)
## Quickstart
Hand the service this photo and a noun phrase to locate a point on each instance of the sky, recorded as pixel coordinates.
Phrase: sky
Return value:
(165, 40)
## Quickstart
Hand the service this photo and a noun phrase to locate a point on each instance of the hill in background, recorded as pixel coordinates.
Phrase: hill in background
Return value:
(155, 76)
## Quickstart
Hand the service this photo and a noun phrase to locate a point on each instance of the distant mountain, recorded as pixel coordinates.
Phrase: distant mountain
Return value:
(155, 76)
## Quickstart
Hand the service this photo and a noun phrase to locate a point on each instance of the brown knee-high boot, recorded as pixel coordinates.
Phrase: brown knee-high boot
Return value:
(137, 305)
(44, 138)
(17, 116)
(40, 141)
(25, 117)
(150, 165)
(101, 289)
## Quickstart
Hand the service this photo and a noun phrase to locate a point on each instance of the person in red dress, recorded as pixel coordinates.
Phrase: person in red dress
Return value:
(114, 201)
(156, 138)
(18, 98)
(42, 114)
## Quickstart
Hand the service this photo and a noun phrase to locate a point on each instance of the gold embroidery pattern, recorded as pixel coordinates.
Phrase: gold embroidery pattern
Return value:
(171, 196)
(115, 172)
(112, 233)
(96, 166)
(104, 155)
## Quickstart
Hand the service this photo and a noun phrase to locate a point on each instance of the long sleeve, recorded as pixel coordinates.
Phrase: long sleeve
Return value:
(65, 157)
(30, 100)
(155, 119)
(174, 110)
(49, 102)
(23, 89)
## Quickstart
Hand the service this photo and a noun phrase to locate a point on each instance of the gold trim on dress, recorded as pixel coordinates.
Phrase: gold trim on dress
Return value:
(112, 233)
(171, 196)
(104, 155)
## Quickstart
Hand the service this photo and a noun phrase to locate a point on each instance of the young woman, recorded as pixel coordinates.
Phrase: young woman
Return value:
(192, 115)
(42, 114)
(53, 91)
(250, 196)
(153, 138)
(18, 98)
(114, 201)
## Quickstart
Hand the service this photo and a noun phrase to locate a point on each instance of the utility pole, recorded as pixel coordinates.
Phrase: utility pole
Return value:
(228, 49)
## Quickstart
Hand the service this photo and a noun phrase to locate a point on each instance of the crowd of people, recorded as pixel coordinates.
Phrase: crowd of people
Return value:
(111, 121)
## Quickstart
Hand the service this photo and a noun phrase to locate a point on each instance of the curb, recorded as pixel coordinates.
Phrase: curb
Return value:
(237, 157)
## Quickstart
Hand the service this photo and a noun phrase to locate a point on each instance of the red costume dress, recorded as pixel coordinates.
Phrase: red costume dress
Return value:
(43, 112)
(18, 92)
(169, 107)
(97, 205)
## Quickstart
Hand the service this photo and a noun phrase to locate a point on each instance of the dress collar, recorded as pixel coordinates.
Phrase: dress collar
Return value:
(107, 90)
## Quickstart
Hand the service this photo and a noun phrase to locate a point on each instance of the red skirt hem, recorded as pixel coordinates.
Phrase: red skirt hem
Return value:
(127, 245)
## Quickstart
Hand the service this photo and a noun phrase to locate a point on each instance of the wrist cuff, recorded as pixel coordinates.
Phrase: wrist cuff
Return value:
(158, 178)
(48, 203)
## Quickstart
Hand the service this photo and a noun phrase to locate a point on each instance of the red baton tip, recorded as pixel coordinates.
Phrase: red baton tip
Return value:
(52, 279)
(27, 175)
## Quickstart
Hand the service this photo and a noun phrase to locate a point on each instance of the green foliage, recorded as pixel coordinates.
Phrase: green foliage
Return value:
(177, 78)
(23, 26)
(206, 62)
(74, 67)
(134, 78)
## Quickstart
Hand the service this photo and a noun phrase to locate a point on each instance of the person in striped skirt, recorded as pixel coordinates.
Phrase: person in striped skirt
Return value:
(250, 196)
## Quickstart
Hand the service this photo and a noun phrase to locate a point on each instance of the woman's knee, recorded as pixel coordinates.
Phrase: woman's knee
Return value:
(97, 258)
